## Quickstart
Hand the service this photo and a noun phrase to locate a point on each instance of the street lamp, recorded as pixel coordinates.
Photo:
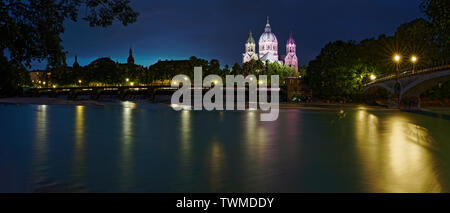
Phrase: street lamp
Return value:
(397, 58)
(413, 61)
(373, 77)
(127, 79)
(79, 81)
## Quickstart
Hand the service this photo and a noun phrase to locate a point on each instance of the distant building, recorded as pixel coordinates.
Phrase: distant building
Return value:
(268, 49)
(250, 49)
(75, 64)
(291, 56)
(130, 59)
(40, 77)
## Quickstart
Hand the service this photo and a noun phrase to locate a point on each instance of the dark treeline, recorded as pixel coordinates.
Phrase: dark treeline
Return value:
(341, 68)
(106, 71)
(31, 30)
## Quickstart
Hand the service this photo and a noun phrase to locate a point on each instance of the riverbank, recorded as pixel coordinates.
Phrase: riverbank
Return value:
(59, 101)
(49, 101)
(320, 106)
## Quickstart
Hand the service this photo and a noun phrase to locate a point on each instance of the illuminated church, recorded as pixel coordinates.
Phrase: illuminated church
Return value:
(268, 49)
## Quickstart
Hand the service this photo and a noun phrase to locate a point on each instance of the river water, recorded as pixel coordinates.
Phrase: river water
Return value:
(142, 147)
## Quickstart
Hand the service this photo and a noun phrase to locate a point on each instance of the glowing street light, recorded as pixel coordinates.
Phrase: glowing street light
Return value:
(132, 84)
(127, 79)
(397, 58)
(373, 77)
(261, 82)
(414, 60)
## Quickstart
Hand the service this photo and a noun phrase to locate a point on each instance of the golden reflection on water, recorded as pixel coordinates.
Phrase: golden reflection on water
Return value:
(255, 138)
(186, 137)
(79, 149)
(126, 155)
(40, 145)
(394, 154)
(216, 165)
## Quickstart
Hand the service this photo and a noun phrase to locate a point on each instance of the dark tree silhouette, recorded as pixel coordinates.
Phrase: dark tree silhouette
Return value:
(31, 30)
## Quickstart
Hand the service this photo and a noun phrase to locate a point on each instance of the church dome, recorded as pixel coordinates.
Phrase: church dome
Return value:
(268, 36)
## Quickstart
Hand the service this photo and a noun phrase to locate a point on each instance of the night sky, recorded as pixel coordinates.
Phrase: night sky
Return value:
(178, 29)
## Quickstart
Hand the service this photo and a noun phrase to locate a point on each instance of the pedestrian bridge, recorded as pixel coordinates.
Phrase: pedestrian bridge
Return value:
(406, 88)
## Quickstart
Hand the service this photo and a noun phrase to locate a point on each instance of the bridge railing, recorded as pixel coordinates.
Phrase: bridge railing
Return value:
(410, 72)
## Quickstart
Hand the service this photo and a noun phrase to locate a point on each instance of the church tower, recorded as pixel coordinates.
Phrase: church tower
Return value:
(130, 59)
(291, 56)
(268, 45)
(250, 52)
(75, 64)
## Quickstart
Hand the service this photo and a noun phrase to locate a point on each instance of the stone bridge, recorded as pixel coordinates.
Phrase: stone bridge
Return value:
(406, 88)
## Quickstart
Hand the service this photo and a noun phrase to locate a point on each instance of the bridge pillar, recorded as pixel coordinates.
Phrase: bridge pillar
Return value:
(410, 103)
(151, 93)
(393, 102)
(53, 93)
(95, 95)
(122, 93)
(73, 94)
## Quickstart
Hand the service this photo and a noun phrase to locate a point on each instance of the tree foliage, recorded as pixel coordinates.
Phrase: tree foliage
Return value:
(341, 68)
(31, 30)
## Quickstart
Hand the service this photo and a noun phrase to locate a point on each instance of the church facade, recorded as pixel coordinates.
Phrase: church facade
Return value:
(268, 49)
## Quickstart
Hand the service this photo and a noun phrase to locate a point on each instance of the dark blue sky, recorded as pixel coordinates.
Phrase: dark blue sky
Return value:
(178, 29)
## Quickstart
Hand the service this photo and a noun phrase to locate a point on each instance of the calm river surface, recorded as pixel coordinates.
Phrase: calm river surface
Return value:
(142, 147)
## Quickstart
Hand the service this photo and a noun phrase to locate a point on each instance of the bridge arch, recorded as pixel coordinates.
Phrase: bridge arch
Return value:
(375, 87)
(419, 86)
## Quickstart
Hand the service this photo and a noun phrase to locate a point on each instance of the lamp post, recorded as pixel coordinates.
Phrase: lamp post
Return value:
(397, 59)
(413, 61)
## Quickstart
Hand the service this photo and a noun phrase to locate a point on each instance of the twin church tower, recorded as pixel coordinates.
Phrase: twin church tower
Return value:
(268, 49)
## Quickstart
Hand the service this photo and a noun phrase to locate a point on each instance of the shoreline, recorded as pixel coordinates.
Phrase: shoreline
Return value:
(319, 106)
(49, 101)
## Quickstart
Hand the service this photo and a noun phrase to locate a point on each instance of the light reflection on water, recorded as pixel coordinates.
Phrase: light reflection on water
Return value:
(79, 162)
(395, 154)
(126, 147)
(40, 160)
(352, 150)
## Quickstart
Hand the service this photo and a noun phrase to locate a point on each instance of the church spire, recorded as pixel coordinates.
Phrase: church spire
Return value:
(130, 57)
(250, 39)
(75, 64)
(267, 29)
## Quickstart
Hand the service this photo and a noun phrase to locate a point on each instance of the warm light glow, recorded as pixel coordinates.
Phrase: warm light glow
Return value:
(414, 59)
(132, 83)
(127, 79)
(373, 77)
(54, 86)
(261, 82)
(43, 82)
(79, 81)
(397, 58)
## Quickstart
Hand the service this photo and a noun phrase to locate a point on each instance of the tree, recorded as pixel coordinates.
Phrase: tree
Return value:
(31, 30)
(438, 11)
